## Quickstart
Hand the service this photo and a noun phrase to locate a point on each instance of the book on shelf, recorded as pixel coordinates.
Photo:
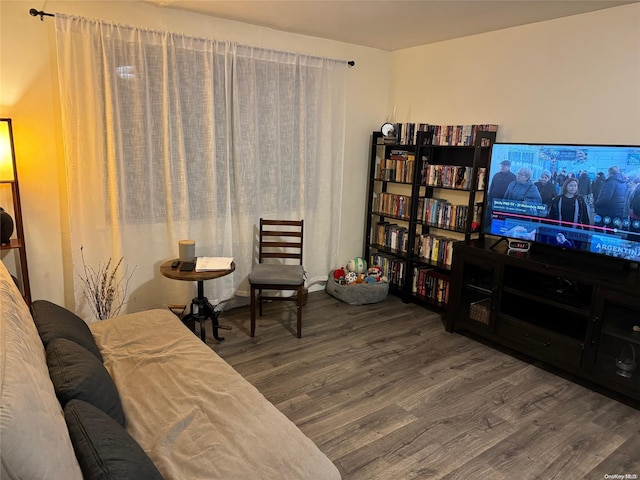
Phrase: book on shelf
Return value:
(435, 248)
(477, 217)
(422, 127)
(392, 235)
(418, 286)
(482, 178)
(379, 235)
(463, 177)
(409, 134)
(430, 284)
(392, 204)
(424, 169)
(392, 267)
(398, 130)
(483, 128)
(377, 174)
(398, 167)
(443, 214)
(458, 135)
(442, 135)
(447, 176)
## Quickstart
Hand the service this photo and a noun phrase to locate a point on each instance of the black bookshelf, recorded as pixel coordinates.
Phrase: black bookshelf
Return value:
(408, 232)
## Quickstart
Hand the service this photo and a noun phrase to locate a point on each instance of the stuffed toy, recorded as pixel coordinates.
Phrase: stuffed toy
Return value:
(357, 265)
(339, 275)
(351, 277)
(374, 274)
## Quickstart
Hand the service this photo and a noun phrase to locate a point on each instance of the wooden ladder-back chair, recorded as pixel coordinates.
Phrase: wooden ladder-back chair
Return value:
(279, 266)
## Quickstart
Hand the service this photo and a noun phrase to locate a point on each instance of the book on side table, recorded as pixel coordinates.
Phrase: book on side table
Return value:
(208, 264)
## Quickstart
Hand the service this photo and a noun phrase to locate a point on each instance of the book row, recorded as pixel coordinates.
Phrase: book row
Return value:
(435, 248)
(392, 204)
(443, 214)
(430, 285)
(399, 167)
(451, 176)
(442, 135)
(427, 284)
(460, 135)
(391, 235)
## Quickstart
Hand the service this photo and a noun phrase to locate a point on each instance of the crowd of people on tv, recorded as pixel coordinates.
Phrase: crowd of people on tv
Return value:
(610, 199)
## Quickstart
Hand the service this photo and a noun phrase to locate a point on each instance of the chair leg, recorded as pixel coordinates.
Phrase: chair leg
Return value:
(299, 311)
(253, 311)
(260, 302)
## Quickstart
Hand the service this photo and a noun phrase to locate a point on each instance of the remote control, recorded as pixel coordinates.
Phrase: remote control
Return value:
(188, 266)
(175, 264)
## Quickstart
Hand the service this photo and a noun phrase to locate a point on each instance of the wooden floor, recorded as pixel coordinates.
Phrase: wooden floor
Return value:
(386, 393)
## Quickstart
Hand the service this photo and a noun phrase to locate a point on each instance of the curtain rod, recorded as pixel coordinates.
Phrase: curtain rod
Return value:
(41, 13)
(34, 13)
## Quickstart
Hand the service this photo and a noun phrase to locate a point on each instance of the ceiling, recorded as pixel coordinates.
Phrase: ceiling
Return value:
(390, 24)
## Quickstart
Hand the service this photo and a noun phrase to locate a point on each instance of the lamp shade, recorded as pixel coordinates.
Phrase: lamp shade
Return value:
(7, 157)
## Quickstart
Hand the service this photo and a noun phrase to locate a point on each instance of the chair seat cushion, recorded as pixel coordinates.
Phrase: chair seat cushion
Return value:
(270, 274)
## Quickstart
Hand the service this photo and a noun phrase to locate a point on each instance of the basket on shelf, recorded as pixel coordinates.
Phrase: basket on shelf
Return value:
(479, 311)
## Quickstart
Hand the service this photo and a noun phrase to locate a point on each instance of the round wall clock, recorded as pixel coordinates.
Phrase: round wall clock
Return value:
(387, 129)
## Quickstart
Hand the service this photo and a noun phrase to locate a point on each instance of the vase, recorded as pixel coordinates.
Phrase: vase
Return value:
(6, 227)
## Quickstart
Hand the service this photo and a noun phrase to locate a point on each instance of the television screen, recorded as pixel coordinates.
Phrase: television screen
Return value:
(579, 197)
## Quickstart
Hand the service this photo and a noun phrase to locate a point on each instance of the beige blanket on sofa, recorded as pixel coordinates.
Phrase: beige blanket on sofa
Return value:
(194, 415)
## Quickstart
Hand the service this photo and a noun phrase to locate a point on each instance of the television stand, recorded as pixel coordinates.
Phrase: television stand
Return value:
(558, 310)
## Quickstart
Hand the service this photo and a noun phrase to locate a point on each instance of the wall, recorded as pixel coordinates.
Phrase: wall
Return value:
(570, 80)
(28, 94)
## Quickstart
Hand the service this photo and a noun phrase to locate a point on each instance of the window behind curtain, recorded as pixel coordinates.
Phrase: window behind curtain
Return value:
(170, 137)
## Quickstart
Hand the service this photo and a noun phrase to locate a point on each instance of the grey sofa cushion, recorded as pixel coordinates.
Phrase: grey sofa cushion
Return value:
(272, 274)
(54, 321)
(104, 449)
(76, 373)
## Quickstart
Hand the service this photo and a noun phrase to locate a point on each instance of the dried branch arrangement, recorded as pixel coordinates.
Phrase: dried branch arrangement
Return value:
(104, 288)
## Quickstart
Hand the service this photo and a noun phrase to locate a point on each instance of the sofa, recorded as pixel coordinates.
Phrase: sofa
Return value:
(134, 397)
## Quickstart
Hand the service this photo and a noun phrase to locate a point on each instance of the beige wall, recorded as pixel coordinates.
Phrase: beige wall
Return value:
(28, 94)
(575, 79)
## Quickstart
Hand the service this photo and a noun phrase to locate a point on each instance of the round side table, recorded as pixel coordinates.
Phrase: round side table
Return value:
(201, 309)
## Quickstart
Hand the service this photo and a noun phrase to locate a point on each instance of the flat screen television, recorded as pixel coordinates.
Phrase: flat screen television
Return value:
(575, 197)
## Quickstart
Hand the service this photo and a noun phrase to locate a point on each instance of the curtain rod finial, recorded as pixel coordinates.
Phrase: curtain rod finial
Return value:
(34, 13)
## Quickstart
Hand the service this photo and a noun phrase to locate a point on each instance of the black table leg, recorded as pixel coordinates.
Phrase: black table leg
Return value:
(205, 310)
(216, 326)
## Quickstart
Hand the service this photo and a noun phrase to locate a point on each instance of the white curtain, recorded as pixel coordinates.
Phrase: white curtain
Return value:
(170, 137)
